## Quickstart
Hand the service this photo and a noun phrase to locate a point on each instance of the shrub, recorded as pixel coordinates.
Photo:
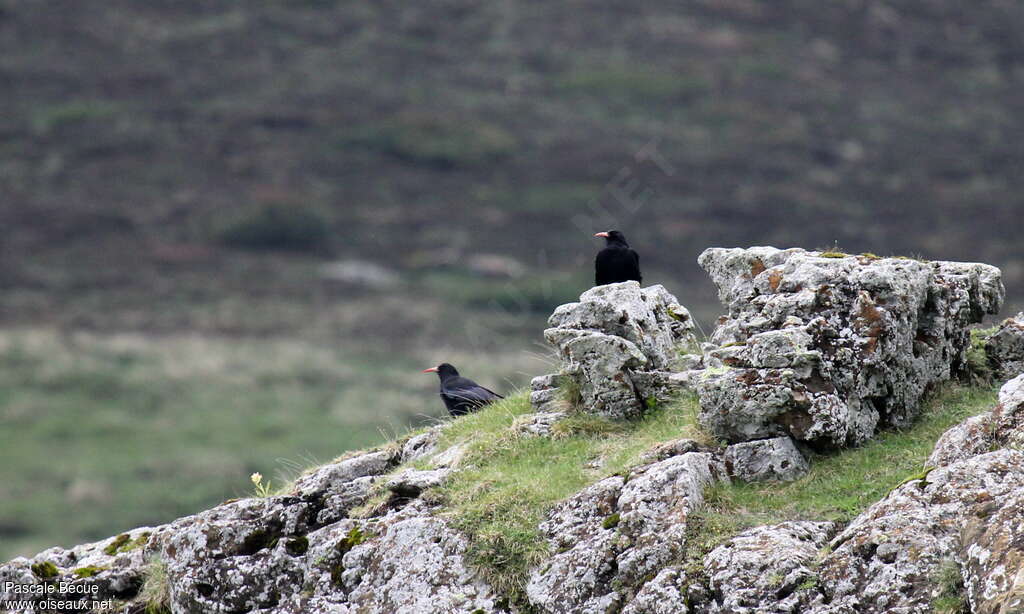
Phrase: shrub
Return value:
(277, 227)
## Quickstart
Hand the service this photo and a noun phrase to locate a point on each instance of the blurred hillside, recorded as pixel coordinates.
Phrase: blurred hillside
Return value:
(135, 140)
(402, 183)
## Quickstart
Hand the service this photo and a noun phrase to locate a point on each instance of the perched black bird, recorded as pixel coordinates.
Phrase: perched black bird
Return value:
(616, 262)
(461, 395)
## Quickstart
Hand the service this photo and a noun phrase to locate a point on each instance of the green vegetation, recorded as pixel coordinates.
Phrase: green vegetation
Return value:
(125, 543)
(951, 598)
(510, 481)
(841, 485)
(978, 364)
(156, 588)
(88, 571)
(54, 117)
(45, 570)
(297, 546)
(292, 227)
(437, 140)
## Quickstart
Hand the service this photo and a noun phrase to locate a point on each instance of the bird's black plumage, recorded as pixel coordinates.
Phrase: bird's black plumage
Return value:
(616, 262)
(461, 395)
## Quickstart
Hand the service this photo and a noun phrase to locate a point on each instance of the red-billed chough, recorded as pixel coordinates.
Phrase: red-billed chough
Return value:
(461, 395)
(616, 262)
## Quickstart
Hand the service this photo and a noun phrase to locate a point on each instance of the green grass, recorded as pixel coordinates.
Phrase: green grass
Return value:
(950, 599)
(841, 485)
(437, 140)
(155, 593)
(510, 481)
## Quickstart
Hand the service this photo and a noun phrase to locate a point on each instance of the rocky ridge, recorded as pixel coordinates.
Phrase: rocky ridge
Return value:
(617, 545)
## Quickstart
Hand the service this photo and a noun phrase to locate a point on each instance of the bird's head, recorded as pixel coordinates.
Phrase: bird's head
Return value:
(443, 370)
(612, 236)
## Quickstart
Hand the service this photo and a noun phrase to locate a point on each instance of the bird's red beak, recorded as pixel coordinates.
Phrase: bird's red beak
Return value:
(430, 370)
(601, 234)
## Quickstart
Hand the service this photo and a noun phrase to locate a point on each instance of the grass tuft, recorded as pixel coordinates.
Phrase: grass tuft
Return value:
(950, 598)
(156, 588)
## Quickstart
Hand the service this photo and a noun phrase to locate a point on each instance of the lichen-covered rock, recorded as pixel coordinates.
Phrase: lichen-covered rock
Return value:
(613, 332)
(1005, 347)
(993, 557)
(415, 565)
(611, 537)
(665, 594)
(411, 482)
(545, 396)
(539, 423)
(766, 569)
(828, 349)
(1002, 427)
(766, 459)
(888, 558)
(112, 567)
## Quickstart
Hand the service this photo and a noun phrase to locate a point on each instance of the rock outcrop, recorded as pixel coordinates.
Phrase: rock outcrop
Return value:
(766, 569)
(1000, 428)
(827, 348)
(290, 554)
(614, 333)
(611, 537)
(1005, 347)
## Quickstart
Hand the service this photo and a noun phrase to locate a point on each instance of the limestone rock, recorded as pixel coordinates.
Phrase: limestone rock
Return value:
(539, 423)
(610, 537)
(826, 349)
(545, 395)
(665, 594)
(766, 459)
(422, 445)
(887, 559)
(416, 565)
(410, 483)
(613, 332)
(1006, 347)
(766, 569)
(1002, 427)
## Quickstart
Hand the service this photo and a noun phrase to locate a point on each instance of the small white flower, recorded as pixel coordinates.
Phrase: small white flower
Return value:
(256, 478)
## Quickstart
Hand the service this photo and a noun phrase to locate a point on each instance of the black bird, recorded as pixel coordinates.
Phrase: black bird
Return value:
(461, 395)
(616, 262)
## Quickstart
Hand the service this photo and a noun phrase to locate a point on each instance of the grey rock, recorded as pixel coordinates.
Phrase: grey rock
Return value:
(827, 350)
(422, 445)
(1005, 347)
(411, 483)
(549, 400)
(610, 537)
(766, 459)
(545, 382)
(335, 476)
(665, 594)
(1002, 427)
(120, 572)
(765, 569)
(670, 449)
(927, 523)
(992, 557)
(359, 273)
(539, 423)
(614, 332)
(415, 565)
